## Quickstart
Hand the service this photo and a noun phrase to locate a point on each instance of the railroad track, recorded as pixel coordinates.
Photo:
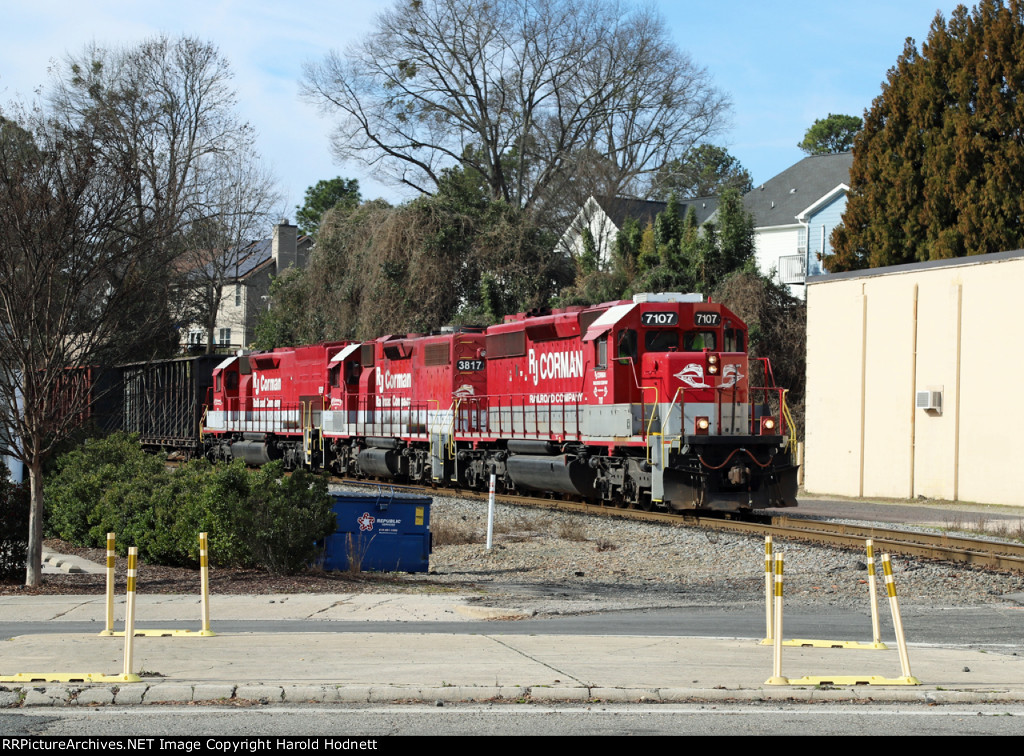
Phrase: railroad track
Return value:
(999, 555)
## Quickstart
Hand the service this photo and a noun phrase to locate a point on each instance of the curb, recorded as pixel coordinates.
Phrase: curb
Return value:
(169, 693)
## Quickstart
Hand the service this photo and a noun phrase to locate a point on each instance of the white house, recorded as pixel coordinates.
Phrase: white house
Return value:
(604, 216)
(794, 214)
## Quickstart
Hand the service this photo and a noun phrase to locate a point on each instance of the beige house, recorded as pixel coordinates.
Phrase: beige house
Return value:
(911, 375)
(246, 273)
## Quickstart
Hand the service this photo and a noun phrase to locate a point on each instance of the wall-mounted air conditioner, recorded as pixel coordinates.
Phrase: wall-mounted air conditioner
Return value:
(929, 401)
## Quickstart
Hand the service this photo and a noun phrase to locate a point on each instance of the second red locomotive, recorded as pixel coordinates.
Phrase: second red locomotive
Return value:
(646, 403)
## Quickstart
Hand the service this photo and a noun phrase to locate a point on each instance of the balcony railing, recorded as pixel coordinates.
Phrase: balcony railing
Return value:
(792, 269)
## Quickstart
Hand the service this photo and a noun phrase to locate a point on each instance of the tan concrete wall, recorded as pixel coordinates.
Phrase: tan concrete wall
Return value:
(873, 341)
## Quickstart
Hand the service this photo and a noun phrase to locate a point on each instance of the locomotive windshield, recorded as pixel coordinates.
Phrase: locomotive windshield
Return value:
(661, 341)
(695, 341)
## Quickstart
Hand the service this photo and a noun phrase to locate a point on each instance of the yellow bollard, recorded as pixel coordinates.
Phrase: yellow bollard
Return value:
(873, 591)
(129, 617)
(777, 678)
(204, 570)
(98, 677)
(906, 679)
(111, 558)
(768, 581)
(897, 622)
(204, 600)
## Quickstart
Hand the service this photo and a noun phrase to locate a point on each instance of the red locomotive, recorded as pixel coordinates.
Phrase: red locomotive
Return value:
(645, 403)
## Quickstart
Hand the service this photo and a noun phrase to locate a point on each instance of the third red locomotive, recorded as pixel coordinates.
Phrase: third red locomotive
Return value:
(648, 403)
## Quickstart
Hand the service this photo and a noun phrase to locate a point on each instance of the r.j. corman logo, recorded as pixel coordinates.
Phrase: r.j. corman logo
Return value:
(397, 381)
(692, 375)
(731, 375)
(262, 383)
(365, 522)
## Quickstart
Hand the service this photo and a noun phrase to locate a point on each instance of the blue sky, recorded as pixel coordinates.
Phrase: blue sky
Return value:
(783, 64)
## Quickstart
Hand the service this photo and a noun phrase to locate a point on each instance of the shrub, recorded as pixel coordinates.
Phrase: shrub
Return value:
(14, 510)
(285, 517)
(254, 518)
(102, 487)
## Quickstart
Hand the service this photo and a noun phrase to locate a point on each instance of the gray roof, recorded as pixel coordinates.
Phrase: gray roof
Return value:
(644, 211)
(778, 201)
(245, 259)
(248, 258)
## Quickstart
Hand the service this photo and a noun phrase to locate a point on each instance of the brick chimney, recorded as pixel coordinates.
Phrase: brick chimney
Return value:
(284, 246)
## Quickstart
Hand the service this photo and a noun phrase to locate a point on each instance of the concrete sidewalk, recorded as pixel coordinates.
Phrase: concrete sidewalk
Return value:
(486, 664)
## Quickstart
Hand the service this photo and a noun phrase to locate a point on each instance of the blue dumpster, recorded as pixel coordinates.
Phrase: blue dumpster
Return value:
(380, 531)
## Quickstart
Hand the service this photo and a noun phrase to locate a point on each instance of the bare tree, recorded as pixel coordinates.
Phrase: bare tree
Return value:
(167, 107)
(528, 93)
(242, 204)
(72, 272)
(139, 148)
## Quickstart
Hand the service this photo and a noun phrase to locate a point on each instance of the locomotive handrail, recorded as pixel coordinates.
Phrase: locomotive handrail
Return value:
(790, 425)
(451, 434)
(682, 419)
(654, 413)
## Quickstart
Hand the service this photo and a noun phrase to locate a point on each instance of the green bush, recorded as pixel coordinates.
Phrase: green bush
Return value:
(285, 518)
(101, 487)
(254, 518)
(14, 510)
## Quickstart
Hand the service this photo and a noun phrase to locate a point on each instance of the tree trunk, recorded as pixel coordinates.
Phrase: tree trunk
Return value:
(34, 564)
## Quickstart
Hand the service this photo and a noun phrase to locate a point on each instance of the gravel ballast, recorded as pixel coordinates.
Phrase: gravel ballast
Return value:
(567, 563)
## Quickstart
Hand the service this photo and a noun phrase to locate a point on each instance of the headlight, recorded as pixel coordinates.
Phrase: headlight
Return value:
(702, 426)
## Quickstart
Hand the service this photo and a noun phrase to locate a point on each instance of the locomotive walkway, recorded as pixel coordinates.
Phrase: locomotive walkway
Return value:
(489, 662)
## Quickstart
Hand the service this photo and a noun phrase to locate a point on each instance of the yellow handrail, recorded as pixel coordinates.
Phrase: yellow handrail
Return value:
(654, 412)
(789, 424)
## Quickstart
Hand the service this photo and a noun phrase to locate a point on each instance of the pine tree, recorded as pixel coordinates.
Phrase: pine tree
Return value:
(938, 171)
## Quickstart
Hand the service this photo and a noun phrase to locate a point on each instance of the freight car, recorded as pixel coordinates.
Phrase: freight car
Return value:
(164, 401)
(645, 403)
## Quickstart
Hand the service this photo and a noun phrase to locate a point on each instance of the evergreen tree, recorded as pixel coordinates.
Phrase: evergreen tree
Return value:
(939, 170)
(830, 135)
(323, 196)
(704, 171)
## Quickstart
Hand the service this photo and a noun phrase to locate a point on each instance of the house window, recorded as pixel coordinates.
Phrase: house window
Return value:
(225, 336)
(195, 337)
(238, 295)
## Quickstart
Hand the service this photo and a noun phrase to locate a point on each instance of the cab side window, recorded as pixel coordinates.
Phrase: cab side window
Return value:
(626, 349)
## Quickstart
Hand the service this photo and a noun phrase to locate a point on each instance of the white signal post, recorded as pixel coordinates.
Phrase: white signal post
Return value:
(490, 515)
